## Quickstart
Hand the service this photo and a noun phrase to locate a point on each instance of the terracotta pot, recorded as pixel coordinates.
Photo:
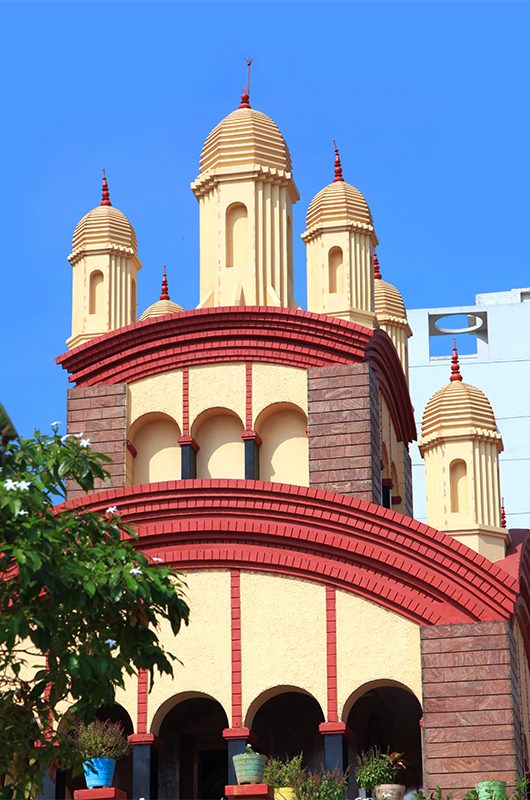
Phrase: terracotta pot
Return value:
(390, 791)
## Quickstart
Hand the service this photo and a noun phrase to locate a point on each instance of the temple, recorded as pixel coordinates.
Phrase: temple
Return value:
(263, 451)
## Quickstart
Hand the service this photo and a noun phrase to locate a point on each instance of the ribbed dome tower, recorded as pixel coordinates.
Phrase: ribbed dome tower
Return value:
(246, 191)
(460, 445)
(340, 238)
(105, 263)
(391, 315)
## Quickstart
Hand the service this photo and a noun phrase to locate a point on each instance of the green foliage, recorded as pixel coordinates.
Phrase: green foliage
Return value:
(101, 740)
(375, 767)
(280, 773)
(436, 795)
(471, 795)
(323, 785)
(79, 605)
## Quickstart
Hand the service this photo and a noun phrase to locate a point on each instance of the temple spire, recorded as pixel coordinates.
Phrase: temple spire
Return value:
(338, 165)
(377, 271)
(503, 514)
(245, 97)
(105, 194)
(455, 366)
(164, 294)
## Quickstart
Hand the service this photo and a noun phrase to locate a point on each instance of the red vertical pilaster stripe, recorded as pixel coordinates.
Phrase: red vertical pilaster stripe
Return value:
(248, 418)
(141, 714)
(185, 401)
(331, 652)
(235, 606)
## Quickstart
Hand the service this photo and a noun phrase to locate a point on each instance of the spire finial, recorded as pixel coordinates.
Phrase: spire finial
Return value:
(164, 294)
(105, 194)
(338, 165)
(455, 366)
(245, 97)
(377, 271)
(503, 514)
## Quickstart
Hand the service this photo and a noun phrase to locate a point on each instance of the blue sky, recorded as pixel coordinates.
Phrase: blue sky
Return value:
(428, 102)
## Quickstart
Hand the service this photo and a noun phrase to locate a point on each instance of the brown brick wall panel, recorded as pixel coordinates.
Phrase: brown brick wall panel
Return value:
(100, 413)
(471, 712)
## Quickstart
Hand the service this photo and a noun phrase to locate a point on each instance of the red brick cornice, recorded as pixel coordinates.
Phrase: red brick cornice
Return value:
(333, 539)
(381, 355)
(280, 335)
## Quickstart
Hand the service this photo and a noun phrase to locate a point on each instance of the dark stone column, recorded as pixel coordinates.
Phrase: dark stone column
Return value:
(237, 739)
(145, 765)
(252, 445)
(335, 744)
(52, 788)
(188, 455)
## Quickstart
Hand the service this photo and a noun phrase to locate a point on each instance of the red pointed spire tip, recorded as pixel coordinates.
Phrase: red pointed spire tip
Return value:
(377, 271)
(503, 514)
(105, 194)
(455, 366)
(338, 165)
(164, 294)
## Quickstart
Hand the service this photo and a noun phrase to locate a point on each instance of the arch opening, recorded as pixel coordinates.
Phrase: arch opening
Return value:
(221, 452)
(95, 295)
(237, 235)
(458, 486)
(386, 715)
(194, 759)
(335, 270)
(154, 438)
(284, 453)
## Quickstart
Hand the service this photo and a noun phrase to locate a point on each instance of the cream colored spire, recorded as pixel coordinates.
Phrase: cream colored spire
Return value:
(245, 191)
(105, 263)
(460, 445)
(392, 316)
(340, 238)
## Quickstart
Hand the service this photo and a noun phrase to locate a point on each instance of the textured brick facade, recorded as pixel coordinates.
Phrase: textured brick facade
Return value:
(344, 435)
(100, 413)
(471, 706)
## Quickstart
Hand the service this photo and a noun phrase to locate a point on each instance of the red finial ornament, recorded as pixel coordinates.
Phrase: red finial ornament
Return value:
(164, 294)
(503, 514)
(105, 194)
(377, 271)
(455, 366)
(338, 165)
(245, 97)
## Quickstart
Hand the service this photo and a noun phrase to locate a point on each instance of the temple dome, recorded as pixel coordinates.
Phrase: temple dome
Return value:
(339, 202)
(245, 136)
(388, 301)
(161, 307)
(104, 226)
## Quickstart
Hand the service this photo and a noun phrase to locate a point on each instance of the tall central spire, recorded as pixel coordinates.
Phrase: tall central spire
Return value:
(338, 165)
(455, 366)
(245, 97)
(105, 194)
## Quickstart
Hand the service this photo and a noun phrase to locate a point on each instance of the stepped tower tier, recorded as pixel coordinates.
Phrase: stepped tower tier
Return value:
(460, 445)
(105, 264)
(246, 192)
(391, 315)
(340, 238)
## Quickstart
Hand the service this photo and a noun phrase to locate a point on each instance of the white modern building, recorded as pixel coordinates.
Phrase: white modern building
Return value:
(493, 339)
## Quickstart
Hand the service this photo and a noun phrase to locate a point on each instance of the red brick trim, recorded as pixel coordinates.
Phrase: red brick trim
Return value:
(203, 336)
(253, 435)
(185, 401)
(382, 356)
(250, 791)
(187, 439)
(236, 733)
(334, 728)
(141, 713)
(332, 539)
(235, 615)
(331, 653)
(144, 738)
(248, 398)
(131, 448)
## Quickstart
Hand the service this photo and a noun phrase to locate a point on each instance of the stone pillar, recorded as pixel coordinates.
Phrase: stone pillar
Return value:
(99, 413)
(344, 430)
(471, 706)
(145, 765)
(252, 442)
(188, 455)
(335, 744)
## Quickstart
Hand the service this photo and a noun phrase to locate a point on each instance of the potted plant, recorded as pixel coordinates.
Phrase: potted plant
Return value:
(284, 776)
(249, 766)
(377, 773)
(491, 790)
(323, 785)
(99, 745)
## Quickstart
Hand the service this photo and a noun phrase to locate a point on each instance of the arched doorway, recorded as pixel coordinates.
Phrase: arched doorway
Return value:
(388, 717)
(193, 759)
(123, 773)
(287, 724)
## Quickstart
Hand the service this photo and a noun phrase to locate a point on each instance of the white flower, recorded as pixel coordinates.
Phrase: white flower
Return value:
(23, 485)
(67, 436)
(135, 571)
(112, 643)
(9, 485)
(22, 513)
(54, 425)
(111, 510)
(84, 443)
(157, 560)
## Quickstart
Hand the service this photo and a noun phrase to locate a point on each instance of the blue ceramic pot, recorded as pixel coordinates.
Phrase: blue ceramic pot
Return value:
(99, 772)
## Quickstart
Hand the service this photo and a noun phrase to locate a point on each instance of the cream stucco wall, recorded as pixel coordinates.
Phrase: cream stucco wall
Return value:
(161, 393)
(284, 452)
(204, 647)
(374, 645)
(272, 383)
(217, 386)
(283, 632)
